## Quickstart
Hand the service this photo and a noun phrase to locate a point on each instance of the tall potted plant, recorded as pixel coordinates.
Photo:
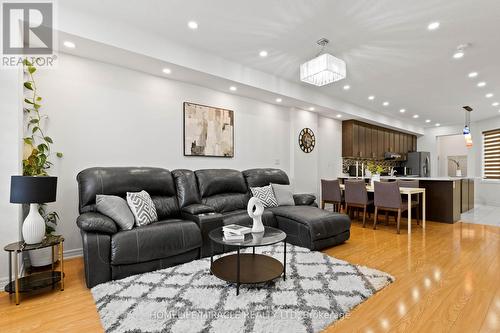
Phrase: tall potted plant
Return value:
(37, 153)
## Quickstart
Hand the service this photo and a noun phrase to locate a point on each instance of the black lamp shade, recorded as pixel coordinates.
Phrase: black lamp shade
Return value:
(29, 189)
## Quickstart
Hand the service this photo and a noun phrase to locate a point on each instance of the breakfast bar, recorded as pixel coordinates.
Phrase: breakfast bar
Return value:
(445, 198)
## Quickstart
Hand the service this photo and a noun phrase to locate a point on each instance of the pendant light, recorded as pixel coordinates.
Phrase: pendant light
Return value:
(466, 131)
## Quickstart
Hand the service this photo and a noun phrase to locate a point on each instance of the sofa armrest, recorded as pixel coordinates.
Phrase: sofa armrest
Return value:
(95, 222)
(304, 199)
(196, 209)
(97, 258)
(206, 222)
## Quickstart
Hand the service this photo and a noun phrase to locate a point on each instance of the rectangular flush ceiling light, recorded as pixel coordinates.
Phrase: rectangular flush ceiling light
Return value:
(322, 70)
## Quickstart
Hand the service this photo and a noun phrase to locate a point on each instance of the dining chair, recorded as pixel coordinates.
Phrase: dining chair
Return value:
(387, 197)
(330, 193)
(415, 203)
(356, 196)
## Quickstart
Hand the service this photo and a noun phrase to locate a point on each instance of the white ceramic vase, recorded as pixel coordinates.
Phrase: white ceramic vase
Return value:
(33, 226)
(255, 210)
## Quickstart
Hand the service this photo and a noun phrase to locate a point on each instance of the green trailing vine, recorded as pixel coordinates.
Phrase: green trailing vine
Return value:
(37, 144)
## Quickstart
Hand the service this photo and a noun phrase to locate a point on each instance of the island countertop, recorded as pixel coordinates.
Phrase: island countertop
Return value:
(411, 178)
(446, 197)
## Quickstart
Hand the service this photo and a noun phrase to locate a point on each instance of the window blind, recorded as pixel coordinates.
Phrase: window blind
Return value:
(491, 154)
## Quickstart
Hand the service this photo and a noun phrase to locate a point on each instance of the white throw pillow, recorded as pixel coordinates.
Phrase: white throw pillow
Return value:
(266, 195)
(142, 207)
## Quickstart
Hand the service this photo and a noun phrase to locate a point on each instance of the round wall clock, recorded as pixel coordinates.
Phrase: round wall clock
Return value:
(307, 140)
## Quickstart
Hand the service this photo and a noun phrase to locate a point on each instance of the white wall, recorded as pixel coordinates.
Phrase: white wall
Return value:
(486, 191)
(450, 145)
(10, 145)
(329, 149)
(104, 115)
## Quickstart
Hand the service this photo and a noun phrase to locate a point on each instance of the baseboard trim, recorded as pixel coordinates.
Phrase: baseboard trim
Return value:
(74, 253)
(68, 254)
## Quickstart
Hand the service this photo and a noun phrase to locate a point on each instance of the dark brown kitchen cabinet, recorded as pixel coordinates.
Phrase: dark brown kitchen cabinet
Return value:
(380, 143)
(369, 141)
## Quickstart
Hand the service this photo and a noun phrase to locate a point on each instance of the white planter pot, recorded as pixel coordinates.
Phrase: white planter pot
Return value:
(43, 257)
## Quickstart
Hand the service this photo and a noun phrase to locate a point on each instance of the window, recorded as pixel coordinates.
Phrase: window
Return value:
(491, 154)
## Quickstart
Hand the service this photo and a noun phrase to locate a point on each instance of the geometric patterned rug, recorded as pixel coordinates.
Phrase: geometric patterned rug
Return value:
(318, 291)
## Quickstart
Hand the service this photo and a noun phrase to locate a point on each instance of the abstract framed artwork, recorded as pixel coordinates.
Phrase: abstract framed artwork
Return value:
(208, 131)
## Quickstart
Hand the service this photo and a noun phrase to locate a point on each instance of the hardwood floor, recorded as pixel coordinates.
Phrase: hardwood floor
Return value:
(447, 280)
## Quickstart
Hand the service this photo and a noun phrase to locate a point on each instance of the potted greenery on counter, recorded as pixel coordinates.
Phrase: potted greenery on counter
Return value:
(37, 153)
(375, 171)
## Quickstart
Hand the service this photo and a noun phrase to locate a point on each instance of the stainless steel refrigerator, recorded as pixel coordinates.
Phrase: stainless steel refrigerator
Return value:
(419, 163)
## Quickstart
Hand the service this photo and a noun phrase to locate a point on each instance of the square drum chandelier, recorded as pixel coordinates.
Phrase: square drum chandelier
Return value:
(323, 69)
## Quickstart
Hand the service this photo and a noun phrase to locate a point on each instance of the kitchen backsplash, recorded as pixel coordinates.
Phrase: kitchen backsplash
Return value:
(347, 162)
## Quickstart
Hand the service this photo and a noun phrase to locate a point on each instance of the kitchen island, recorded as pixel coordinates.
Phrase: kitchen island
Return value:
(446, 197)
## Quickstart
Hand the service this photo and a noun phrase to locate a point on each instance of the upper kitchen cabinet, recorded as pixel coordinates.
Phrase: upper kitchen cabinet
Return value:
(362, 140)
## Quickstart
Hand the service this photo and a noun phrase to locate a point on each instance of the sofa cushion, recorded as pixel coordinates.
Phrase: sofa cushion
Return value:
(154, 241)
(187, 187)
(241, 217)
(120, 180)
(321, 223)
(227, 202)
(219, 181)
(264, 177)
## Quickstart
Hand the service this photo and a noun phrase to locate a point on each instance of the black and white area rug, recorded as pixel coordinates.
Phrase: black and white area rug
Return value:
(318, 291)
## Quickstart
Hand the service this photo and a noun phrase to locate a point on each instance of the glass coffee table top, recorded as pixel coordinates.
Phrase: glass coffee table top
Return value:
(268, 237)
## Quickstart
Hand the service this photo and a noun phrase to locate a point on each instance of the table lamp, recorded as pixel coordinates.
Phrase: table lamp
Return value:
(33, 190)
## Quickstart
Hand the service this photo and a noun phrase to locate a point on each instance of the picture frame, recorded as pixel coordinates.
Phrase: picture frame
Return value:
(208, 131)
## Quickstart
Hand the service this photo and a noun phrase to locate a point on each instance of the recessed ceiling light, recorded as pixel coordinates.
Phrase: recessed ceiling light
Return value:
(311, 108)
(166, 70)
(69, 45)
(438, 124)
(472, 74)
(416, 116)
(347, 87)
(339, 116)
(433, 26)
(481, 84)
(427, 120)
(233, 88)
(371, 98)
(402, 110)
(193, 25)
(263, 53)
(489, 95)
(458, 54)
(278, 100)
(495, 104)
(385, 103)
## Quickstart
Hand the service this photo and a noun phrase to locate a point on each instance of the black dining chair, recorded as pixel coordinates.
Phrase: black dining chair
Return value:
(387, 197)
(356, 196)
(414, 183)
(330, 193)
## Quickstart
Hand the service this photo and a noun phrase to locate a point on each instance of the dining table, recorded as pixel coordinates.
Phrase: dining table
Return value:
(408, 191)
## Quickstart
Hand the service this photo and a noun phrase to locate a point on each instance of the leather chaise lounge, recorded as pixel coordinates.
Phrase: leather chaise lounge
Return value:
(189, 205)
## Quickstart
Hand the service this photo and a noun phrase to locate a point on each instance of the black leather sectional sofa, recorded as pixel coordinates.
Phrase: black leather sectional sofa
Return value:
(189, 205)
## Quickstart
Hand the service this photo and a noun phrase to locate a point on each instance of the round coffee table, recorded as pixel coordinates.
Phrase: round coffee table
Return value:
(248, 268)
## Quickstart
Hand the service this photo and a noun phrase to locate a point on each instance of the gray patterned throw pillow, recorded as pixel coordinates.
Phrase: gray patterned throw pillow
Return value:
(142, 207)
(266, 195)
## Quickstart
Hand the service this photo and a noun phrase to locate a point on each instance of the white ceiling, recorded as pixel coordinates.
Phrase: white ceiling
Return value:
(386, 44)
